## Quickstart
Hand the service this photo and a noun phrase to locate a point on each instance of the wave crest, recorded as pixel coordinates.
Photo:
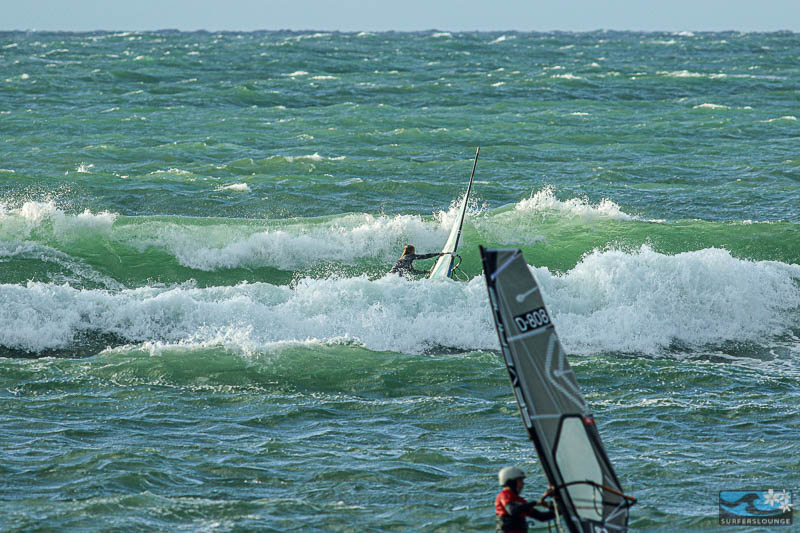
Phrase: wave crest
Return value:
(640, 302)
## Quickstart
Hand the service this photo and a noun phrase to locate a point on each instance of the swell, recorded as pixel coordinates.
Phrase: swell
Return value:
(43, 242)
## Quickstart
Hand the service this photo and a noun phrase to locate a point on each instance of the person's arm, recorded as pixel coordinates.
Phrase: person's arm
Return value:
(516, 508)
(426, 256)
(541, 516)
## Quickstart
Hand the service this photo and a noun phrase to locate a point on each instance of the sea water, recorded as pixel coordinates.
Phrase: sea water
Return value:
(197, 328)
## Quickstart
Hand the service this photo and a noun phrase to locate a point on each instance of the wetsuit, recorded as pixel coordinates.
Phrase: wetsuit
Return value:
(404, 265)
(511, 509)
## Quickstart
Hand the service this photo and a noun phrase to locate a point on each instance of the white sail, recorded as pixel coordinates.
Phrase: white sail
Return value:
(443, 267)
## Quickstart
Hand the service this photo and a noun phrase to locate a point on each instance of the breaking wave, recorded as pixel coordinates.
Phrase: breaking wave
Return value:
(640, 302)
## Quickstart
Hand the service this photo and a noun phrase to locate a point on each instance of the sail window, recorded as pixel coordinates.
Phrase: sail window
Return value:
(577, 461)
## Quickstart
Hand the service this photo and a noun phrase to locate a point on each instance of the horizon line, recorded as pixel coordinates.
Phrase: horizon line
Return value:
(427, 30)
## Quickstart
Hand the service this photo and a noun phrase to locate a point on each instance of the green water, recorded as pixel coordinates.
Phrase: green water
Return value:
(197, 331)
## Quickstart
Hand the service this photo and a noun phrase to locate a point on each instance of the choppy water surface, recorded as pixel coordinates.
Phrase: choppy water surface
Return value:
(197, 331)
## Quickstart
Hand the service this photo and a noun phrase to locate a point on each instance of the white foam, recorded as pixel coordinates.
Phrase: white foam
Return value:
(18, 223)
(682, 74)
(545, 201)
(312, 157)
(290, 246)
(521, 224)
(641, 302)
(645, 301)
(710, 106)
(236, 187)
(503, 38)
(447, 218)
(566, 76)
(386, 314)
(298, 38)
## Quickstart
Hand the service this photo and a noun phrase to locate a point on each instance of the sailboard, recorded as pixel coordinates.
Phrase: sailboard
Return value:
(584, 487)
(443, 268)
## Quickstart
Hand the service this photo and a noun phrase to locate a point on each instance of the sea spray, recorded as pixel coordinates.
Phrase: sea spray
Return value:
(641, 303)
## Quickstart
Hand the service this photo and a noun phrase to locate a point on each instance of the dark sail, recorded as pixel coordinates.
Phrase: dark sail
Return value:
(585, 487)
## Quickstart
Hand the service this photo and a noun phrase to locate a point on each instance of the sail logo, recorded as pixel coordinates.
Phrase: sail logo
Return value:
(531, 320)
(755, 507)
(521, 297)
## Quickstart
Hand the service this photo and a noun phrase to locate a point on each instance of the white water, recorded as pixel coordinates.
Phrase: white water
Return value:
(290, 244)
(639, 302)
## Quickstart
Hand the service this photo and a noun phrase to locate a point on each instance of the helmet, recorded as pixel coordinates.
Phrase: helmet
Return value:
(509, 473)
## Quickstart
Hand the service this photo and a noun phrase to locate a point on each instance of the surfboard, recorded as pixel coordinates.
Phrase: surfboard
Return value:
(443, 268)
(584, 486)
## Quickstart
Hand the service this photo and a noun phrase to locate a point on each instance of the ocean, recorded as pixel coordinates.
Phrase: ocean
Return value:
(197, 327)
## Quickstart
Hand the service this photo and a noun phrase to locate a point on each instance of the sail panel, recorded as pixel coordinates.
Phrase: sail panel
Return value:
(444, 265)
(551, 403)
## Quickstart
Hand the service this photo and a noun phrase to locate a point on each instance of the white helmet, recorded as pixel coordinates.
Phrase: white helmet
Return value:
(509, 473)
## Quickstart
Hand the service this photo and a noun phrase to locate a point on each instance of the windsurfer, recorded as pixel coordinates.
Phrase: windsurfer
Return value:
(405, 264)
(511, 508)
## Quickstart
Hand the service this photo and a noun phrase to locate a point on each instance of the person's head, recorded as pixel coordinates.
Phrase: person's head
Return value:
(512, 477)
(409, 249)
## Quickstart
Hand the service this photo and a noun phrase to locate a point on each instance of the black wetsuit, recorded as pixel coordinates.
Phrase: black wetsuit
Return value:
(511, 509)
(404, 265)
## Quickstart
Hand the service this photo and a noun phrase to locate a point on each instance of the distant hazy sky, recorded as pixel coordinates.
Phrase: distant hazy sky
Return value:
(401, 15)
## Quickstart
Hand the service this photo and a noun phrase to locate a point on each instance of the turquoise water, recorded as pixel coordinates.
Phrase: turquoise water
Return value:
(197, 331)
